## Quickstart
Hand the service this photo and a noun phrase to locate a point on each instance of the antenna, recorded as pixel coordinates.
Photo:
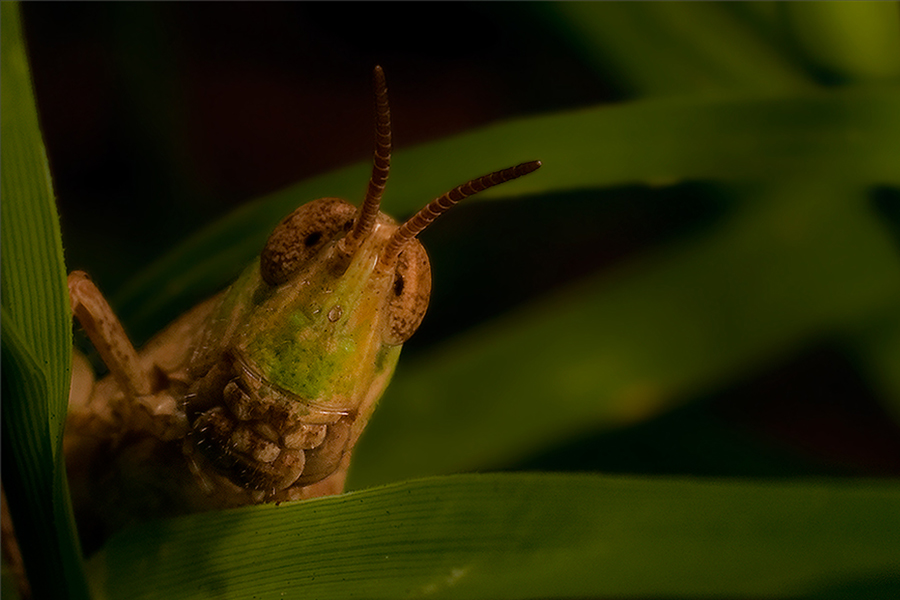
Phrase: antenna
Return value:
(381, 165)
(422, 219)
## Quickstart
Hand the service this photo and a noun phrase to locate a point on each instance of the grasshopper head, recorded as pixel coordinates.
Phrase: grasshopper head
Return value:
(348, 285)
(307, 338)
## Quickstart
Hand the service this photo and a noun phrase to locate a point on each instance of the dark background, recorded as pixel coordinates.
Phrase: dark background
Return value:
(171, 113)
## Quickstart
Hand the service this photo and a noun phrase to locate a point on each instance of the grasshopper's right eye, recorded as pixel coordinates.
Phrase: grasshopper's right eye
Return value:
(301, 235)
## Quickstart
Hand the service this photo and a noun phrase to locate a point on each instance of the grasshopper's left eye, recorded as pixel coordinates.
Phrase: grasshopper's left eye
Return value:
(301, 235)
(408, 297)
(405, 255)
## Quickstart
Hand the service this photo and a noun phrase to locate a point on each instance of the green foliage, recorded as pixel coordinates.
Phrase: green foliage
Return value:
(36, 337)
(790, 139)
(522, 536)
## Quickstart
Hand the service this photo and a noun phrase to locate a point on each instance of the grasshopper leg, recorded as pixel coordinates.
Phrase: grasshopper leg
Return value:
(107, 335)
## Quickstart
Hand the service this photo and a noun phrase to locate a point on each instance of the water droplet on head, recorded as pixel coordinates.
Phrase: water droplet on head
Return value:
(335, 313)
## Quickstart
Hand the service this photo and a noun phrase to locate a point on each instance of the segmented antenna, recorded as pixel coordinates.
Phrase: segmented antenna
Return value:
(381, 165)
(438, 206)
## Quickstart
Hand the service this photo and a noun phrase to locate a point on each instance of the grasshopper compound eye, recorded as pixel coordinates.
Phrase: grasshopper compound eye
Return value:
(408, 298)
(301, 235)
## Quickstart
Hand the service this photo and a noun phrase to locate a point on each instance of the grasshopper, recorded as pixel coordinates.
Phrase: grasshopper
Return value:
(260, 393)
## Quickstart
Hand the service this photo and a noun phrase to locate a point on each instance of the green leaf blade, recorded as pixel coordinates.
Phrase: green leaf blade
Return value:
(657, 49)
(523, 536)
(850, 42)
(37, 342)
(850, 135)
(33, 289)
(624, 346)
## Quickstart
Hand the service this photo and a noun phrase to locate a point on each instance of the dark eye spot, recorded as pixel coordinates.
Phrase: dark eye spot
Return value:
(312, 239)
(348, 225)
(398, 285)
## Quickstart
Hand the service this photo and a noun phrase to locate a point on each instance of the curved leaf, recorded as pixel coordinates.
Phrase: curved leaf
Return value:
(692, 47)
(621, 347)
(37, 340)
(850, 135)
(524, 536)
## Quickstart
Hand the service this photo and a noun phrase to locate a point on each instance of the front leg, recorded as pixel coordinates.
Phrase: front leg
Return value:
(141, 398)
(123, 437)
(107, 335)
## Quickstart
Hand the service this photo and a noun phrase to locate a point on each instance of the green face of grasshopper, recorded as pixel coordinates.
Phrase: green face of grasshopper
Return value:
(318, 321)
(302, 345)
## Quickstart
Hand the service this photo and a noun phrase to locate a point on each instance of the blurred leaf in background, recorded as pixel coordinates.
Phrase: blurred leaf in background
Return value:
(703, 280)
